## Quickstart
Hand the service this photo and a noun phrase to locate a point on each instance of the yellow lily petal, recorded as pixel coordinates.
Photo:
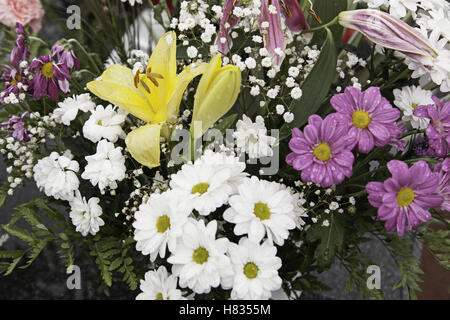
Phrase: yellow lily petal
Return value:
(183, 80)
(217, 100)
(163, 62)
(143, 144)
(116, 85)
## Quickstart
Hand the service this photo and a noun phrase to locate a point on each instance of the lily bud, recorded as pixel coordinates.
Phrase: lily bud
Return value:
(273, 34)
(295, 18)
(389, 32)
(216, 93)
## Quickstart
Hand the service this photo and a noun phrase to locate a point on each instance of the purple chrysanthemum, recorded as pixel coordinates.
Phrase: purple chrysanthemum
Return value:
(369, 117)
(438, 131)
(15, 73)
(443, 169)
(16, 127)
(402, 199)
(65, 56)
(321, 151)
(50, 77)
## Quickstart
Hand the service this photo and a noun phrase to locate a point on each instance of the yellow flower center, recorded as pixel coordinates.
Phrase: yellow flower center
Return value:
(159, 296)
(414, 105)
(47, 70)
(200, 188)
(262, 211)
(405, 197)
(14, 82)
(361, 119)
(322, 152)
(200, 255)
(162, 224)
(251, 270)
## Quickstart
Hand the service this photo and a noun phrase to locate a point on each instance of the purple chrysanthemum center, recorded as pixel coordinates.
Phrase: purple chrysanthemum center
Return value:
(405, 197)
(322, 152)
(47, 70)
(361, 119)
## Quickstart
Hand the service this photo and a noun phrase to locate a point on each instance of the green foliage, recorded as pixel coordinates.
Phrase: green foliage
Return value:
(330, 240)
(438, 241)
(316, 86)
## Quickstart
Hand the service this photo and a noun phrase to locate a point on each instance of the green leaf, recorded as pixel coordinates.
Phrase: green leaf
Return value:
(19, 233)
(316, 86)
(11, 254)
(330, 239)
(13, 265)
(2, 197)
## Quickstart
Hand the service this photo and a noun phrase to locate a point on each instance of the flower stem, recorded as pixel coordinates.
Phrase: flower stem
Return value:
(332, 22)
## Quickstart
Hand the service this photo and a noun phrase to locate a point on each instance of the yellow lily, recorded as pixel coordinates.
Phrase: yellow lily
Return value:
(216, 93)
(153, 97)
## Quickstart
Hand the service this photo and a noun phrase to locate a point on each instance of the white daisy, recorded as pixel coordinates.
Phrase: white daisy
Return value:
(159, 223)
(436, 69)
(255, 270)
(409, 98)
(85, 215)
(438, 20)
(68, 109)
(200, 259)
(104, 123)
(299, 212)
(159, 285)
(397, 8)
(221, 159)
(56, 175)
(105, 167)
(208, 182)
(262, 208)
(252, 137)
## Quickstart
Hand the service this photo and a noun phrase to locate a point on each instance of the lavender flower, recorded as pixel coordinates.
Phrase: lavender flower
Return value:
(369, 118)
(402, 199)
(420, 146)
(443, 169)
(16, 127)
(321, 151)
(438, 131)
(50, 77)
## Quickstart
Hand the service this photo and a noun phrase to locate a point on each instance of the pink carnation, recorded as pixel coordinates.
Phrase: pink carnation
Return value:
(27, 12)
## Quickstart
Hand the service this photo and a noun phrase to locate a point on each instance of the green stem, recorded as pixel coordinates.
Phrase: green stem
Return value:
(93, 63)
(332, 22)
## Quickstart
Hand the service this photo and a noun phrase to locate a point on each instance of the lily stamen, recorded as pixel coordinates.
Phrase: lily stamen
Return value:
(286, 9)
(152, 76)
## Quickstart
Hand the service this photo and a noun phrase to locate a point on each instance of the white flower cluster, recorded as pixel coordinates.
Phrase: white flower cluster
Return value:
(252, 138)
(201, 259)
(68, 109)
(56, 175)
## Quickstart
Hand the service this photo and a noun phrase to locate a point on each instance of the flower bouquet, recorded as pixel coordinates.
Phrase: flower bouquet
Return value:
(227, 149)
